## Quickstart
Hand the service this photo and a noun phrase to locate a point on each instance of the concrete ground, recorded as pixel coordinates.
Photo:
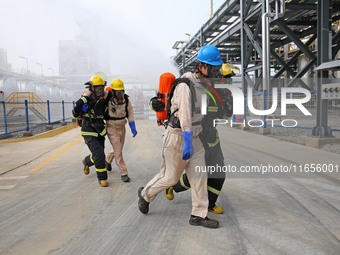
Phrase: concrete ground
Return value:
(47, 205)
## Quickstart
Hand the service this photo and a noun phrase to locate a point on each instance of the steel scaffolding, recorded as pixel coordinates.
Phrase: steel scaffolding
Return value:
(268, 38)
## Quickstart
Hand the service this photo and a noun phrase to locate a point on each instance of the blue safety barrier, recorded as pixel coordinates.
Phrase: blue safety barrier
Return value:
(26, 116)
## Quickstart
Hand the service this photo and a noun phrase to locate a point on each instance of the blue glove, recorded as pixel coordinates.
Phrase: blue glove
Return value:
(188, 149)
(133, 128)
(85, 108)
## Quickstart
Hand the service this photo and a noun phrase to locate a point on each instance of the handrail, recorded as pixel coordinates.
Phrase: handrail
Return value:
(25, 121)
(34, 102)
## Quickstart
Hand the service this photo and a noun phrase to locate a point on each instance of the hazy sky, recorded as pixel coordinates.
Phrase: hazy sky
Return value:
(140, 32)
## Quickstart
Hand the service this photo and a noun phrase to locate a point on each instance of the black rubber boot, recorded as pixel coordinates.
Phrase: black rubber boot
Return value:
(204, 222)
(125, 178)
(143, 205)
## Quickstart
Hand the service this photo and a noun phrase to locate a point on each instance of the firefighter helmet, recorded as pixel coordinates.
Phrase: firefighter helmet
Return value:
(117, 84)
(226, 70)
(96, 80)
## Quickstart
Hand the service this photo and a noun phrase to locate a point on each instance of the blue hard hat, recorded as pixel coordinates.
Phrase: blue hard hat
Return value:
(210, 55)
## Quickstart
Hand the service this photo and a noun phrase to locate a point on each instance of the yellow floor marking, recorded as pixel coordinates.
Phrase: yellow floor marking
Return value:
(58, 153)
(7, 178)
(3, 187)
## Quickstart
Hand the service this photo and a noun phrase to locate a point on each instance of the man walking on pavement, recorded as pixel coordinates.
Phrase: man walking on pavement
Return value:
(120, 112)
(182, 148)
(92, 107)
(219, 107)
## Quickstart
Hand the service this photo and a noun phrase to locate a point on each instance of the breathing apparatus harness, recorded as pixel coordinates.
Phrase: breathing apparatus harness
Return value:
(97, 95)
(121, 98)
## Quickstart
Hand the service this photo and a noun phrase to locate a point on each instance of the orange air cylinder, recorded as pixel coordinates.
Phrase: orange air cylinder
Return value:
(166, 80)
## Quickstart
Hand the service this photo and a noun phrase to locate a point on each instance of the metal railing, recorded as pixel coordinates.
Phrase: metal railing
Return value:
(26, 117)
(17, 98)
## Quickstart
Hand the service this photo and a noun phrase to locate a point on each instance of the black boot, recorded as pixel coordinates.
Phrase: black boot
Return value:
(204, 222)
(86, 169)
(125, 178)
(143, 205)
(108, 166)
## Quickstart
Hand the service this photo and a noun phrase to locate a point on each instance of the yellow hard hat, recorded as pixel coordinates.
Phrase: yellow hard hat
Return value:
(117, 84)
(102, 75)
(96, 80)
(226, 70)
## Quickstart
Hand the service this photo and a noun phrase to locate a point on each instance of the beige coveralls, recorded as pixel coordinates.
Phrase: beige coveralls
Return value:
(116, 133)
(172, 164)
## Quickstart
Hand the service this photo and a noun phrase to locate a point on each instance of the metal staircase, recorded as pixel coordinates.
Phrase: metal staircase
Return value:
(16, 101)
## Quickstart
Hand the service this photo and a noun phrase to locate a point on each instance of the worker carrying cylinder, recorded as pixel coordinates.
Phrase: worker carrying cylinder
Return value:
(166, 81)
(182, 146)
(219, 106)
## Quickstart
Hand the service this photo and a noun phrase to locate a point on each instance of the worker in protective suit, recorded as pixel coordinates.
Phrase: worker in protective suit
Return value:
(219, 107)
(120, 112)
(182, 147)
(92, 107)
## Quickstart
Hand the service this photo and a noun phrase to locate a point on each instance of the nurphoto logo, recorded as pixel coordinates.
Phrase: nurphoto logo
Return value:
(239, 106)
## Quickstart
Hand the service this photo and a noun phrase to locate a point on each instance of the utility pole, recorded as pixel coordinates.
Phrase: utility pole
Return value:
(211, 8)
(26, 62)
(42, 69)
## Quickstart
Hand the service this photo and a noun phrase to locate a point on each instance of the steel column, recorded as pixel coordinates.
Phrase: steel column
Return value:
(324, 55)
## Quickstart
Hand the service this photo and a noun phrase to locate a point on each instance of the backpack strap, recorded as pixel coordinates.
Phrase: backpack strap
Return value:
(171, 94)
(126, 97)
